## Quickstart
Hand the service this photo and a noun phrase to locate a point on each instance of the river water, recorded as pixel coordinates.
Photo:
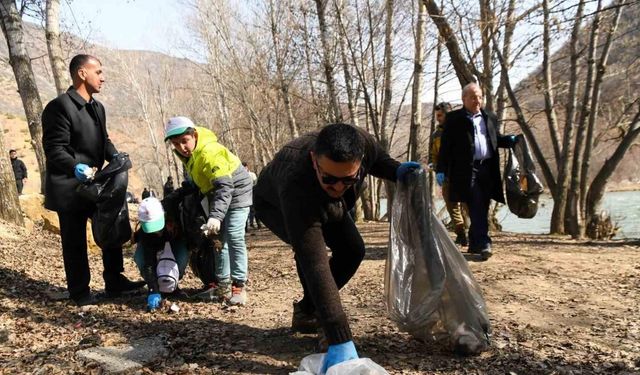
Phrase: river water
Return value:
(624, 206)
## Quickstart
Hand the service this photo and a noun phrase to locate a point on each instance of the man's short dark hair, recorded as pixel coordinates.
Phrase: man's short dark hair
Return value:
(443, 106)
(340, 143)
(78, 61)
(10, 151)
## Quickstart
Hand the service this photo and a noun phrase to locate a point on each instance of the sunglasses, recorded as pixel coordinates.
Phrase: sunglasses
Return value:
(328, 179)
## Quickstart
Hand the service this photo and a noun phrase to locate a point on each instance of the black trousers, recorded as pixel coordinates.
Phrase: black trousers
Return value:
(342, 237)
(481, 187)
(19, 186)
(73, 234)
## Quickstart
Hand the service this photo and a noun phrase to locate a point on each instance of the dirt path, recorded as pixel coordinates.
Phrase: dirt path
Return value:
(557, 306)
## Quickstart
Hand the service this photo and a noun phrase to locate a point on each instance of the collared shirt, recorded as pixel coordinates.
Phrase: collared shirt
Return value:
(480, 137)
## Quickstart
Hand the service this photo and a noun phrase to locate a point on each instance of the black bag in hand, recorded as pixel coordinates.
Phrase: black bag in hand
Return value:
(110, 221)
(522, 185)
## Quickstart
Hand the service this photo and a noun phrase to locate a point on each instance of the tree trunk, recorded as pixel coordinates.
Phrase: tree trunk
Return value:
(21, 65)
(283, 83)
(599, 184)
(486, 31)
(327, 61)
(54, 46)
(549, 96)
(509, 27)
(432, 124)
(416, 94)
(307, 55)
(574, 222)
(595, 103)
(9, 202)
(348, 80)
(461, 66)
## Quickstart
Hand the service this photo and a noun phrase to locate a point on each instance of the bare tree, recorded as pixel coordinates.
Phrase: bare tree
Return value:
(21, 65)
(416, 104)
(9, 203)
(54, 46)
(328, 61)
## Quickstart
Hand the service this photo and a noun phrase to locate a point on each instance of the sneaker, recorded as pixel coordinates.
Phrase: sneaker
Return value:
(214, 292)
(302, 321)
(238, 295)
(122, 285)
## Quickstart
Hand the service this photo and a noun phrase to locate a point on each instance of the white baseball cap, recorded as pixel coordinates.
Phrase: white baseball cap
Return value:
(176, 126)
(151, 215)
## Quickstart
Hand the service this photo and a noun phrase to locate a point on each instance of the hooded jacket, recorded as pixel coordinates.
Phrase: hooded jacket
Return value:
(218, 174)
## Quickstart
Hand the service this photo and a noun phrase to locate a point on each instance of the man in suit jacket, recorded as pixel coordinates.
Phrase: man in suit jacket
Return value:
(76, 143)
(469, 159)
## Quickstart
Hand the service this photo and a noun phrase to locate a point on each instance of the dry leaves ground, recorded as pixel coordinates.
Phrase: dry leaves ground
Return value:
(557, 307)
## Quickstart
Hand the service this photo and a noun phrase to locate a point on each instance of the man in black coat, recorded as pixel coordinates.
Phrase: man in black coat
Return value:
(76, 144)
(470, 160)
(19, 170)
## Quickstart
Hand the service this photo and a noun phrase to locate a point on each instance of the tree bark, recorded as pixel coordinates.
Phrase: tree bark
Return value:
(327, 62)
(509, 28)
(54, 46)
(21, 65)
(9, 202)
(486, 31)
(416, 93)
(348, 80)
(549, 96)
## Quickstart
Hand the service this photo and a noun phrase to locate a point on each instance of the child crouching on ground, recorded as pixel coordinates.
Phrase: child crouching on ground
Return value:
(161, 256)
(221, 178)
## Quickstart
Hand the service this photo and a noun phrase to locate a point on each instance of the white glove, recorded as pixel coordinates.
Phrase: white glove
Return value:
(211, 227)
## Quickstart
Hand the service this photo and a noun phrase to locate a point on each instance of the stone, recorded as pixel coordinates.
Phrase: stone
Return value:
(121, 359)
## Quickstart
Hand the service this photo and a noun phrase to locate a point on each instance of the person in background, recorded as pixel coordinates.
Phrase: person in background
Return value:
(76, 144)
(221, 178)
(303, 196)
(455, 209)
(252, 221)
(470, 161)
(168, 187)
(145, 194)
(157, 229)
(19, 170)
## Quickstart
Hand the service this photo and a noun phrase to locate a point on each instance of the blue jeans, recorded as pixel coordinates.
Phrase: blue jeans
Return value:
(232, 260)
(180, 252)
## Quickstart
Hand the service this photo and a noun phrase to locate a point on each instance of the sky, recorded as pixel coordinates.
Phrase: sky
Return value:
(156, 25)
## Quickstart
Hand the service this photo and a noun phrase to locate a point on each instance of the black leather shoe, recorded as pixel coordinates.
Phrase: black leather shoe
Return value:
(86, 300)
(486, 253)
(461, 239)
(122, 285)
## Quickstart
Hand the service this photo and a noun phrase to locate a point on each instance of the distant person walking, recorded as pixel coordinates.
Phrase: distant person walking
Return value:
(19, 170)
(455, 209)
(470, 161)
(168, 187)
(76, 143)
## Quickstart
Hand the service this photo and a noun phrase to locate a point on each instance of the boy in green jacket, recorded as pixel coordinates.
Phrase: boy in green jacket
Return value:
(221, 178)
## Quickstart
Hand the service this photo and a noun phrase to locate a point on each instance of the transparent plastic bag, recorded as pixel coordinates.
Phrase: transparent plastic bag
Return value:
(312, 365)
(429, 289)
(522, 185)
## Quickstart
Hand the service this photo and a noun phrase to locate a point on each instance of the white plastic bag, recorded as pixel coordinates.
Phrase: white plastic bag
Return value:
(312, 365)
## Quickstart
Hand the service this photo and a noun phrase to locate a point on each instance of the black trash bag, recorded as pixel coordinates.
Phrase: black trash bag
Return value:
(429, 290)
(110, 221)
(202, 249)
(521, 183)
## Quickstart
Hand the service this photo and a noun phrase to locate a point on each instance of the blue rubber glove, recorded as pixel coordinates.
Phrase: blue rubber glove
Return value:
(440, 178)
(407, 167)
(339, 353)
(80, 172)
(153, 301)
